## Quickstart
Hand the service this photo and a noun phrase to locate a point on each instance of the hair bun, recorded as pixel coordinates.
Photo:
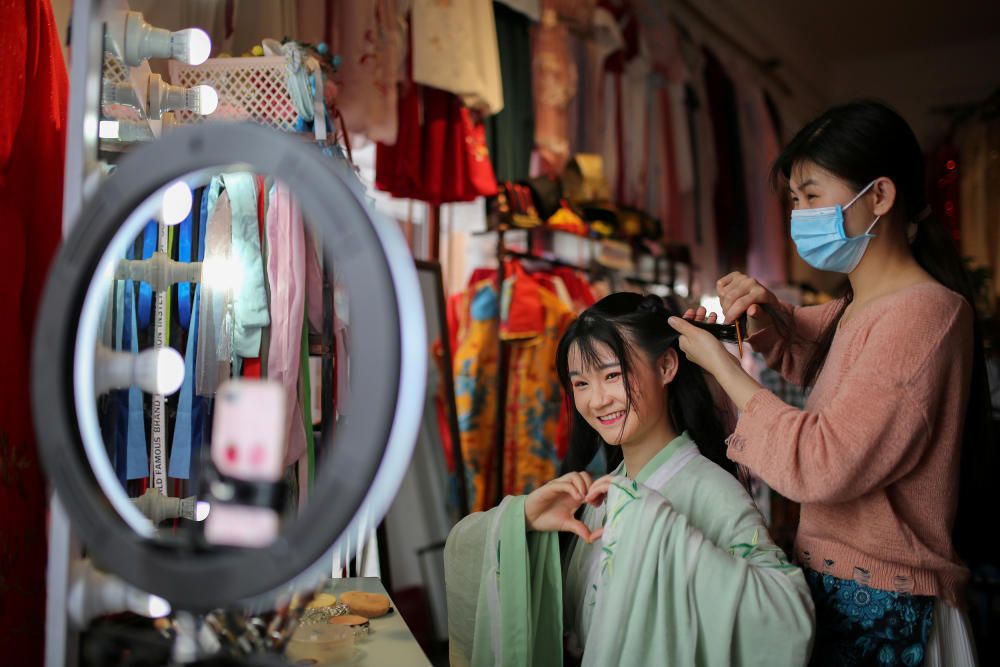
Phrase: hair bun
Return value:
(652, 304)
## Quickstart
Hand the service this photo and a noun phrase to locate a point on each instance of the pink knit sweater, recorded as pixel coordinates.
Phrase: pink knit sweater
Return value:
(874, 457)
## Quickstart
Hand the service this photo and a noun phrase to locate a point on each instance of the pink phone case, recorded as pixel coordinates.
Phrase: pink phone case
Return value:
(248, 444)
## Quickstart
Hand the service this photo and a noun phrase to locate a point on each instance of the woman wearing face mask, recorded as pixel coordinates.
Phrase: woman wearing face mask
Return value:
(670, 562)
(899, 395)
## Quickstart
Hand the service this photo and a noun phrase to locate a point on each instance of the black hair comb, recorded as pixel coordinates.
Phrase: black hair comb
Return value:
(733, 332)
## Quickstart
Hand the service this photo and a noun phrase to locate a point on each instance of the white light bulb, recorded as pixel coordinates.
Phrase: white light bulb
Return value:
(177, 201)
(222, 273)
(169, 371)
(208, 100)
(108, 129)
(199, 46)
(201, 510)
(158, 607)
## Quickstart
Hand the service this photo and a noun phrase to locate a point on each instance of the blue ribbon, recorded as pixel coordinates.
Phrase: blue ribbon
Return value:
(137, 457)
(180, 448)
(203, 222)
(116, 417)
(189, 428)
(150, 237)
(184, 255)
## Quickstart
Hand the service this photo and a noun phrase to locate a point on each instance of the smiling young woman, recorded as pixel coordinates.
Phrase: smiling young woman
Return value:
(669, 563)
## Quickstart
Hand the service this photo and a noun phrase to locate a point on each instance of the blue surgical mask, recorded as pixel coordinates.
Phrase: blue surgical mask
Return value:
(820, 239)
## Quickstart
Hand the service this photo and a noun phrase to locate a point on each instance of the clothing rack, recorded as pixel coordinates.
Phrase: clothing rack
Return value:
(503, 366)
(552, 261)
(503, 360)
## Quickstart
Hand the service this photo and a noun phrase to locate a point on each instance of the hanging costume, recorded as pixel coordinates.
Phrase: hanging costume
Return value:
(554, 76)
(32, 152)
(532, 321)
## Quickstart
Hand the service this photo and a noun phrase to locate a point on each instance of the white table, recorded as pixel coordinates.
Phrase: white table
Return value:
(390, 643)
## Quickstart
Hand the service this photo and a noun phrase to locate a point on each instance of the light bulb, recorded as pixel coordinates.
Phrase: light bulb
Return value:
(153, 371)
(208, 100)
(192, 46)
(201, 510)
(169, 371)
(158, 607)
(108, 129)
(222, 273)
(141, 41)
(176, 205)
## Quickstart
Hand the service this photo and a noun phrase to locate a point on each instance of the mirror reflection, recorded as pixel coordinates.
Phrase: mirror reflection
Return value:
(216, 368)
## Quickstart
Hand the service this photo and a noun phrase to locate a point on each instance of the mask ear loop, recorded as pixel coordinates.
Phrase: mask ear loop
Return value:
(872, 226)
(858, 196)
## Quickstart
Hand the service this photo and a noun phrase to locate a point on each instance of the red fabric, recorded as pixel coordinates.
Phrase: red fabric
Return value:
(32, 154)
(482, 180)
(436, 140)
(481, 274)
(453, 316)
(577, 287)
(442, 408)
(525, 317)
(440, 156)
(397, 167)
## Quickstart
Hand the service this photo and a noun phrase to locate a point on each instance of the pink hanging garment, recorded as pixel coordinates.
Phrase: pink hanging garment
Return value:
(286, 276)
(370, 37)
(555, 79)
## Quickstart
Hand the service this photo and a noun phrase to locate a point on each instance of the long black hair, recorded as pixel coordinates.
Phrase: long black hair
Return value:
(862, 141)
(635, 328)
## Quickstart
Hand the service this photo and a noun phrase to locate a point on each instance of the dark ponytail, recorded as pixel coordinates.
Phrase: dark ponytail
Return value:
(860, 142)
(635, 329)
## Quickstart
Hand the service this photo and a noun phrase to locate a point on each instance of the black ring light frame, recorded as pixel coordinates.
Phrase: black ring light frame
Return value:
(338, 215)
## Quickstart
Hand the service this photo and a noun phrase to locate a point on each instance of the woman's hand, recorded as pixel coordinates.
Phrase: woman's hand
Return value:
(741, 294)
(552, 507)
(700, 315)
(703, 348)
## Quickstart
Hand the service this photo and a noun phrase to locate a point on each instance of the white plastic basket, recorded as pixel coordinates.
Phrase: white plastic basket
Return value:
(252, 89)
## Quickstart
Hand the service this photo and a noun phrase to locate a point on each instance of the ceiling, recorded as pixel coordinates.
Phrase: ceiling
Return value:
(914, 54)
(859, 28)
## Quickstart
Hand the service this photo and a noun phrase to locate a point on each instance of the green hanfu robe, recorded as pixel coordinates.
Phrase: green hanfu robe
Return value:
(684, 574)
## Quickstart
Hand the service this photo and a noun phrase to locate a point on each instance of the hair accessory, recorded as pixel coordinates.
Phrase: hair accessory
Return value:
(924, 214)
(652, 304)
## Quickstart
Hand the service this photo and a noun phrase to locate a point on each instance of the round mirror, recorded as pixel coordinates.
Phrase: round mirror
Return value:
(230, 365)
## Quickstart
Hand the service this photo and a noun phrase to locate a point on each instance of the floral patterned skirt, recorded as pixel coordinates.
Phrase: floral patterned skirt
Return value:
(860, 625)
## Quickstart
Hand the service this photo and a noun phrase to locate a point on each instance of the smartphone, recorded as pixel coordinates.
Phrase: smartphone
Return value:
(248, 444)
